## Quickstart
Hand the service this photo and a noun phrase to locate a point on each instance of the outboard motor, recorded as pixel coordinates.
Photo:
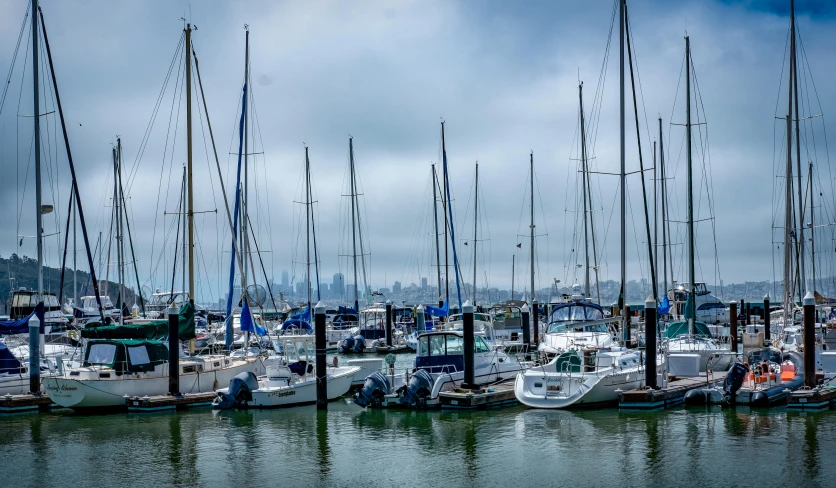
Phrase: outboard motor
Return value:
(419, 387)
(374, 389)
(734, 380)
(359, 344)
(347, 345)
(239, 391)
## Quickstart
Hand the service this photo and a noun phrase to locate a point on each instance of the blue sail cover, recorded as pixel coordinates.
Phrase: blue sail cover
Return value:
(8, 362)
(437, 312)
(665, 307)
(300, 324)
(303, 315)
(21, 326)
(247, 322)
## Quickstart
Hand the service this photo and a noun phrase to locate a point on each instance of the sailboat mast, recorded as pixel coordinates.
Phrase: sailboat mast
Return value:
(75, 266)
(794, 94)
(435, 225)
(692, 303)
(623, 174)
(812, 226)
(475, 226)
(353, 219)
(664, 211)
(36, 115)
(513, 264)
(446, 224)
(584, 176)
(244, 224)
(308, 223)
(531, 226)
(655, 219)
(190, 192)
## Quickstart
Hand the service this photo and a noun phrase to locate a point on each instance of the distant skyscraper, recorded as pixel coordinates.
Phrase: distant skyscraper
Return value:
(338, 285)
(285, 279)
(424, 285)
(396, 288)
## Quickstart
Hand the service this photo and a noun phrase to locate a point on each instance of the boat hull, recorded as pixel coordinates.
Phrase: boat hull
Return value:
(537, 389)
(303, 393)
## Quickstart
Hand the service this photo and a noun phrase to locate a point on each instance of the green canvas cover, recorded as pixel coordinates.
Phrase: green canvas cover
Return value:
(156, 351)
(568, 362)
(156, 329)
(676, 329)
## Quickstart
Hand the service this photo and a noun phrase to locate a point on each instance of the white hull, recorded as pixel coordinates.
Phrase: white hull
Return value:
(74, 393)
(303, 392)
(575, 390)
(17, 384)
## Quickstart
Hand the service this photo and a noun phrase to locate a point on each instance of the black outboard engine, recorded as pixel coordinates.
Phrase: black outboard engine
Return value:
(347, 344)
(734, 380)
(374, 389)
(239, 391)
(359, 344)
(419, 387)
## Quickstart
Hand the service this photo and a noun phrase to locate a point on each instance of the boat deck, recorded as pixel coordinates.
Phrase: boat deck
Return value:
(815, 399)
(669, 396)
(170, 402)
(25, 403)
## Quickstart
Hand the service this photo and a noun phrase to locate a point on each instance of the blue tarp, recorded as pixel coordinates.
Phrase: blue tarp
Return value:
(303, 315)
(247, 322)
(8, 362)
(665, 307)
(301, 324)
(21, 326)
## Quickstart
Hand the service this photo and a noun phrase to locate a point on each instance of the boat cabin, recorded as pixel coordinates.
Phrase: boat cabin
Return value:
(124, 356)
(571, 317)
(25, 301)
(443, 352)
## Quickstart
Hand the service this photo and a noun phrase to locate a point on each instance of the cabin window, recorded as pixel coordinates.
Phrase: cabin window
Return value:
(302, 350)
(101, 353)
(437, 347)
(138, 355)
(480, 346)
(455, 345)
(423, 346)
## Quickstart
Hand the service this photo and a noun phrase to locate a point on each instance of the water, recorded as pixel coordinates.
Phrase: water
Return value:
(348, 446)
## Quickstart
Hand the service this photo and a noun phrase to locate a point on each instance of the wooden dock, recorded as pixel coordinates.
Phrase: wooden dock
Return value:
(25, 403)
(667, 397)
(169, 402)
(492, 396)
(815, 399)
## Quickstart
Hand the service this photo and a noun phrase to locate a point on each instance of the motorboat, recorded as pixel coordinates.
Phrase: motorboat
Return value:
(709, 308)
(290, 379)
(370, 333)
(588, 377)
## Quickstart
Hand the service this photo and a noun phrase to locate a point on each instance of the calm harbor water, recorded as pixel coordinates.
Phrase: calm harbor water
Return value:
(348, 446)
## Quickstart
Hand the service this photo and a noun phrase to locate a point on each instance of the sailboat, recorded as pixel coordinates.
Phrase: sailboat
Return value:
(588, 375)
(119, 360)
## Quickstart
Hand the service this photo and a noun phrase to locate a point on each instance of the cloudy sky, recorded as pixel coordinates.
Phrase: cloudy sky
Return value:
(503, 76)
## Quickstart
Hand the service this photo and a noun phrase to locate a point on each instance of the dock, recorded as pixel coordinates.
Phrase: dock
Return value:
(492, 396)
(159, 403)
(815, 399)
(671, 395)
(25, 403)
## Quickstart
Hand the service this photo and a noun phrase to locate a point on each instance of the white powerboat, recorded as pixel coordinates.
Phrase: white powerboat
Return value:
(576, 325)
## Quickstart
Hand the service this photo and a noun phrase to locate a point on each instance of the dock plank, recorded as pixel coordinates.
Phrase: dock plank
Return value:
(815, 399)
(671, 395)
(25, 403)
(169, 402)
(491, 396)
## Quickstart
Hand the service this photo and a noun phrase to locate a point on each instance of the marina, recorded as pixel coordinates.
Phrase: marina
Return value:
(231, 294)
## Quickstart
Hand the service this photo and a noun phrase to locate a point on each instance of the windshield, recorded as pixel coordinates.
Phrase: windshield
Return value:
(101, 354)
(576, 313)
(90, 302)
(557, 327)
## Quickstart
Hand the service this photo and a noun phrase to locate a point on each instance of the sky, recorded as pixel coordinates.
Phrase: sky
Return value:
(503, 76)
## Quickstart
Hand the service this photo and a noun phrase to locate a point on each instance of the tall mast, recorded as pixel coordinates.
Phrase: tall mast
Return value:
(794, 94)
(75, 266)
(244, 224)
(475, 226)
(692, 303)
(812, 226)
(584, 176)
(308, 223)
(435, 224)
(513, 263)
(623, 174)
(664, 210)
(655, 218)
(190, 192)
(36, 115)
(446, 224)
(531, 226)
(353, 219)
(120, 258)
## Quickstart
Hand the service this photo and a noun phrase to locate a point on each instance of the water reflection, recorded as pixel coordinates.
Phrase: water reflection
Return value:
(323, 452)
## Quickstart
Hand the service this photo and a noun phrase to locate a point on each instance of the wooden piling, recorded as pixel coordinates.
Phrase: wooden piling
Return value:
(321, 373)
(767, 335)
(469, 344)
(733, 324)
(650, 342)
(525, 311)
(809, 311)
(388, 323)
(173, 350)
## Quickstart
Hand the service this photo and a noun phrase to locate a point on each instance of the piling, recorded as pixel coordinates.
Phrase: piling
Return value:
(627, 319)
(742, 309)
(809, 312)
(525, 327)
(321, 374)
(650, 343)
(469, 343)
(748, 313)
(34, 353)
(733, 324)
(535, 318)
(389, 323)
(420, 320)
(173, 350)
(767, 335)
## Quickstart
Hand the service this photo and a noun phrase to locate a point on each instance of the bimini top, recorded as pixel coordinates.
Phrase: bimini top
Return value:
(155, 329)
(126, 356)
(576, 312)
(676, 329)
